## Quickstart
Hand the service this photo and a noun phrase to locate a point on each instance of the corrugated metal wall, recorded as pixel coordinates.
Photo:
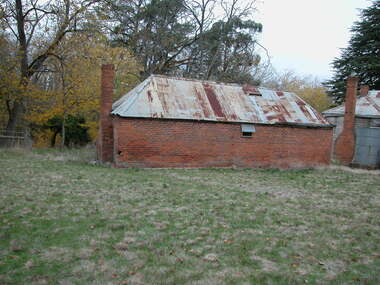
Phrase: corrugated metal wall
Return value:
(338, 123)
(367, 149)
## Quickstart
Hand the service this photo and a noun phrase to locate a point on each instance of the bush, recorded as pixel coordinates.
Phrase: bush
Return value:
(75, 132)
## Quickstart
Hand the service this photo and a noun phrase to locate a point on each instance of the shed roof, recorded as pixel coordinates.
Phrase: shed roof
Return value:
(179, 98)
(367, 106)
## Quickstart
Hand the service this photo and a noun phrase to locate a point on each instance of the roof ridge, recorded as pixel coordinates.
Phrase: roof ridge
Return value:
(197, 80)
(214, 82)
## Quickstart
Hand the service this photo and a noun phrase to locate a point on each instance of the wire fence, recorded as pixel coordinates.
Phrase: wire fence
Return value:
(18, 138)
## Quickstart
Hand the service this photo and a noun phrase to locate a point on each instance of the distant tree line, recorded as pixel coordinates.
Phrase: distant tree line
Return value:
(51, 52)
(205, 39)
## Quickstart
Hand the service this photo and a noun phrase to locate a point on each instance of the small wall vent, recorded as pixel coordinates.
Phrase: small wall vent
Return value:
(247, 130)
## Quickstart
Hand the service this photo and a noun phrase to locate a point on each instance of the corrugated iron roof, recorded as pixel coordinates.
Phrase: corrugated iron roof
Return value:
(179, 98)
(366, 106)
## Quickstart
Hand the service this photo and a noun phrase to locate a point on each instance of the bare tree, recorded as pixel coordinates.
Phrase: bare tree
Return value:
(37, 27)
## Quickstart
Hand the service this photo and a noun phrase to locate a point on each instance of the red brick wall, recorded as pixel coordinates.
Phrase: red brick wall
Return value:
(345, 143)
(105, 138)
(173, 143)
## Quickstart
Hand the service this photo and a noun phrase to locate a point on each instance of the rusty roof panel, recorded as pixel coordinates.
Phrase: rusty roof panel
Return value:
(366, 106)
(178, 98)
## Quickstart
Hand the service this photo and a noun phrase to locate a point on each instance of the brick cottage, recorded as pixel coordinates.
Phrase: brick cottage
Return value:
(177, 122)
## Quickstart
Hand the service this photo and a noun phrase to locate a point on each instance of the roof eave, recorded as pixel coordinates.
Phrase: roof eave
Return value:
(294, 124)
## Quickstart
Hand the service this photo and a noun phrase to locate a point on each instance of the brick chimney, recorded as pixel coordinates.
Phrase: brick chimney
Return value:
(105, 139)
(364, 90)
(345, 143)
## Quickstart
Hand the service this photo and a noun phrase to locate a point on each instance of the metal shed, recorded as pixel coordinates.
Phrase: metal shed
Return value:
(367, 128)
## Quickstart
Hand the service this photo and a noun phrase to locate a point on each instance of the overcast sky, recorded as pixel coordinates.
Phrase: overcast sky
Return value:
(306, 35)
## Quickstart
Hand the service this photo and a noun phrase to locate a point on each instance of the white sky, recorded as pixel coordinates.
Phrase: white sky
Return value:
(306, 35)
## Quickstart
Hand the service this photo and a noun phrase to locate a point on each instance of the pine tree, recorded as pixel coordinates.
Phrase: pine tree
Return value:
(361, 57)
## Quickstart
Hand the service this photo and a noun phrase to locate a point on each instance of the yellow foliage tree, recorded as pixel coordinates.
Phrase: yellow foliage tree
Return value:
(307, 87)
(72, 85)
(315, 96)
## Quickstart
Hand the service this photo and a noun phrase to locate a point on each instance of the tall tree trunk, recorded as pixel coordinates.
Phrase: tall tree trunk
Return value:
(17, 111)
(14, 116)
(53, 138)
(63, 131)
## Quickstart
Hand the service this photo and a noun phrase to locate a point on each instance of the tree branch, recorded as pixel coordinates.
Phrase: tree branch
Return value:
(35, 9)
(38, 61)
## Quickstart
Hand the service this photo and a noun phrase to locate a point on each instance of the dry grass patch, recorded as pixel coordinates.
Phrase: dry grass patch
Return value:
(66, 220)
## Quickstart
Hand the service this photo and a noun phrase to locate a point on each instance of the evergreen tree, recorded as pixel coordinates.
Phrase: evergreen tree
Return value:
(361, 57)
(226, 52)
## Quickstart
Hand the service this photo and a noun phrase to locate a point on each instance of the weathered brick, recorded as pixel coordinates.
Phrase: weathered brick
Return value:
(175, 143)
(105, 139)
(344, 148)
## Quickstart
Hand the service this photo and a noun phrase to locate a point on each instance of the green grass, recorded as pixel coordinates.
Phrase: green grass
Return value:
(64, 220)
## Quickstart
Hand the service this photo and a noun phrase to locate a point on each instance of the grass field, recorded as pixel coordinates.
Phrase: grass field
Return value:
(64, 220)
